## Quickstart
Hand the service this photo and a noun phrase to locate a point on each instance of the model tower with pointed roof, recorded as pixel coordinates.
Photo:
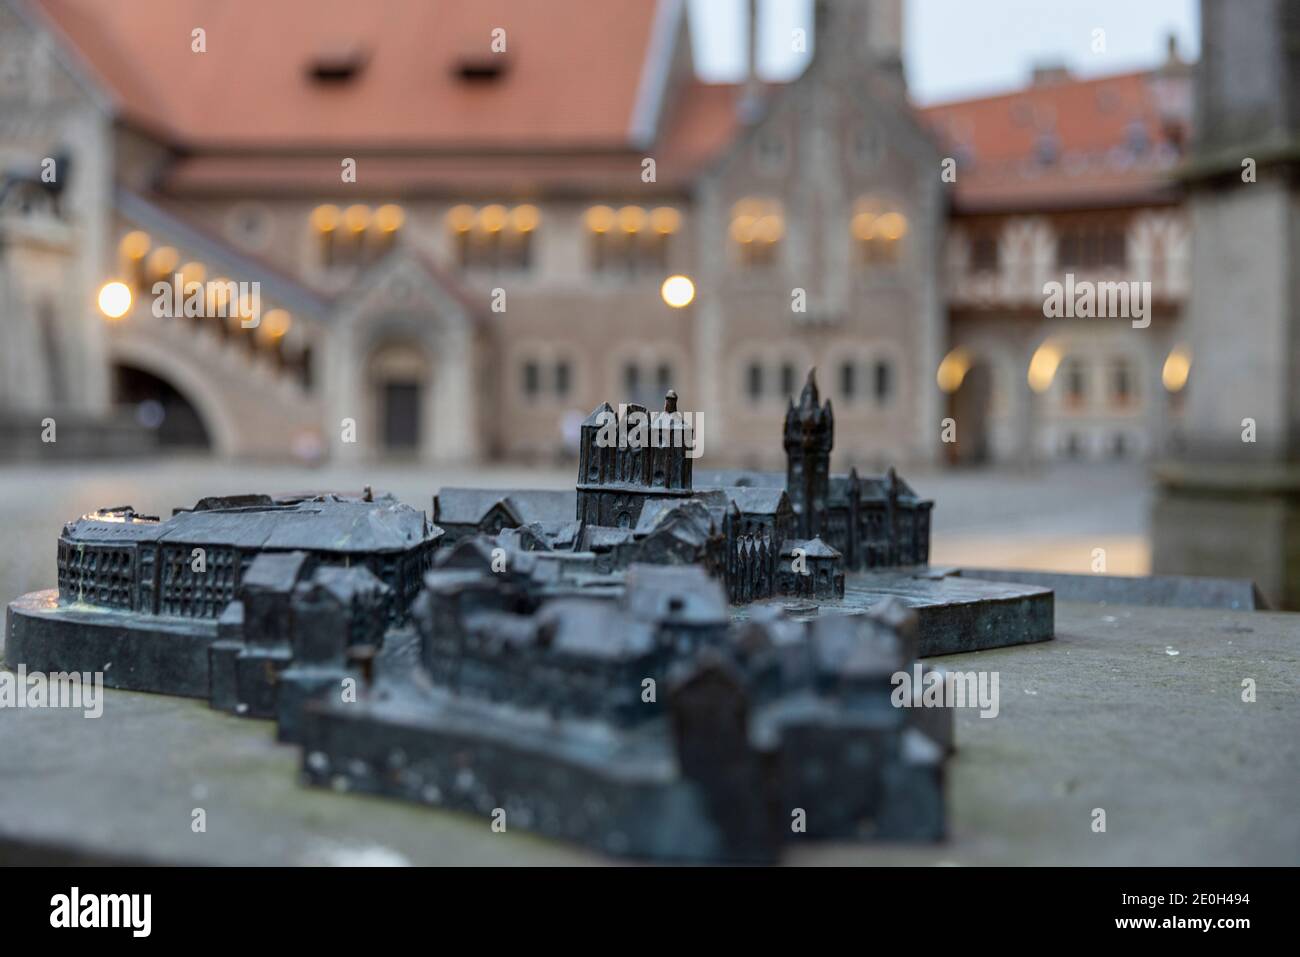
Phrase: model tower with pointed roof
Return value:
(809, 435)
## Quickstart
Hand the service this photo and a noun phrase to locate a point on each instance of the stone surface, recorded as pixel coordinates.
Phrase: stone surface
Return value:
(1107, 715)
(1166, 591)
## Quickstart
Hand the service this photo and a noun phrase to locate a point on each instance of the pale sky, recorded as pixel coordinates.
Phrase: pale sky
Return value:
(959, 48)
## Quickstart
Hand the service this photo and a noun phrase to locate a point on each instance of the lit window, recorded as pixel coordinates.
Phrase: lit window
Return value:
(877, 232)
(354, 236)
(757, 226)
(631, 241)
(493, 237)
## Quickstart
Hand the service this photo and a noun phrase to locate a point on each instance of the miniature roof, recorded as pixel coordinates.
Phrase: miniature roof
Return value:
(758, 500)
(851, 646)
(812, 548)
(318, 526)
(658, 511)
(590, 628)
(737, 478)
(601, 538)
(469, 506)
(344, 584)
(680, 594)
(276, 571)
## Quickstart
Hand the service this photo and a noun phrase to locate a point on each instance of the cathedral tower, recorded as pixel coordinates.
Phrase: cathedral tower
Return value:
(809, 434)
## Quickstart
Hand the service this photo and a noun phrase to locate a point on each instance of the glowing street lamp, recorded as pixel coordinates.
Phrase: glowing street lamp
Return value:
(678, 291)
(114, 299)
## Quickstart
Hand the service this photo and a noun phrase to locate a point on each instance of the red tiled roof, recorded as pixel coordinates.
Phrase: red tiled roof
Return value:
(574, 70)
(702, 123)
(1090, 128)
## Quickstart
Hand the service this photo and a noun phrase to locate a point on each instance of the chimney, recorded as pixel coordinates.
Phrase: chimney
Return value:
(1050, 73)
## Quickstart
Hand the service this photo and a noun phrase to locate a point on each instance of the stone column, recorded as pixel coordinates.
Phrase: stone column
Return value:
(1230, 505)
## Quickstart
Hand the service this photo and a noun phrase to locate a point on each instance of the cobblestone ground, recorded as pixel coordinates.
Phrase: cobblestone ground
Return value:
(1045, 520)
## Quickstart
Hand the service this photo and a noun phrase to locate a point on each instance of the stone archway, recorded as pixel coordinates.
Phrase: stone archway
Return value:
(399, 392)
(187, 378)
(161, 407)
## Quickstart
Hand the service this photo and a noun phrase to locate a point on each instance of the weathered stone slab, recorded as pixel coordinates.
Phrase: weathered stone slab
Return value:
(954, 613)
(134, 652)
(1158, 591)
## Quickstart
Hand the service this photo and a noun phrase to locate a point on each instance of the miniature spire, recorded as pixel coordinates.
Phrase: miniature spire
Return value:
(810, 398)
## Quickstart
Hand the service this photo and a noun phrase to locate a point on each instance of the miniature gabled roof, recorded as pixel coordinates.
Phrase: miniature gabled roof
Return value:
(276, 571)
(587, 628)
(469, 506)
(680, 594)
(598, 417)
(759, 500)
(658, 511)
(812, 548)
(853, 647)
(316, 526)
(345, 584)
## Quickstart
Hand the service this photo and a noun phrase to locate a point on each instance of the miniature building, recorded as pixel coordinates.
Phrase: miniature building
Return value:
(289, 611)
(190, 565)
(589, 675)
(709, 732)
(810, 569)
(872, 522)
(628, 457)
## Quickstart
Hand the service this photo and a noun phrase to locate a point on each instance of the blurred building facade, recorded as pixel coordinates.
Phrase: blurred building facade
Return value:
(459, 235)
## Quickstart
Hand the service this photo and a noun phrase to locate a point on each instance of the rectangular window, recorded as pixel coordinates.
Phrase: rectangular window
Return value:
(984, 254)
(755, 380)
(848, 380)
(532, 379)
(884, 375)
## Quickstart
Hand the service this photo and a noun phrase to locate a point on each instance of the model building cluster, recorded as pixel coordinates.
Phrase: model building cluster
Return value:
(661, 663)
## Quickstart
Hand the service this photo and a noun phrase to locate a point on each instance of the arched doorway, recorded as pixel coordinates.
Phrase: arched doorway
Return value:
(970, 407)
(398, 376)
(159, 406)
